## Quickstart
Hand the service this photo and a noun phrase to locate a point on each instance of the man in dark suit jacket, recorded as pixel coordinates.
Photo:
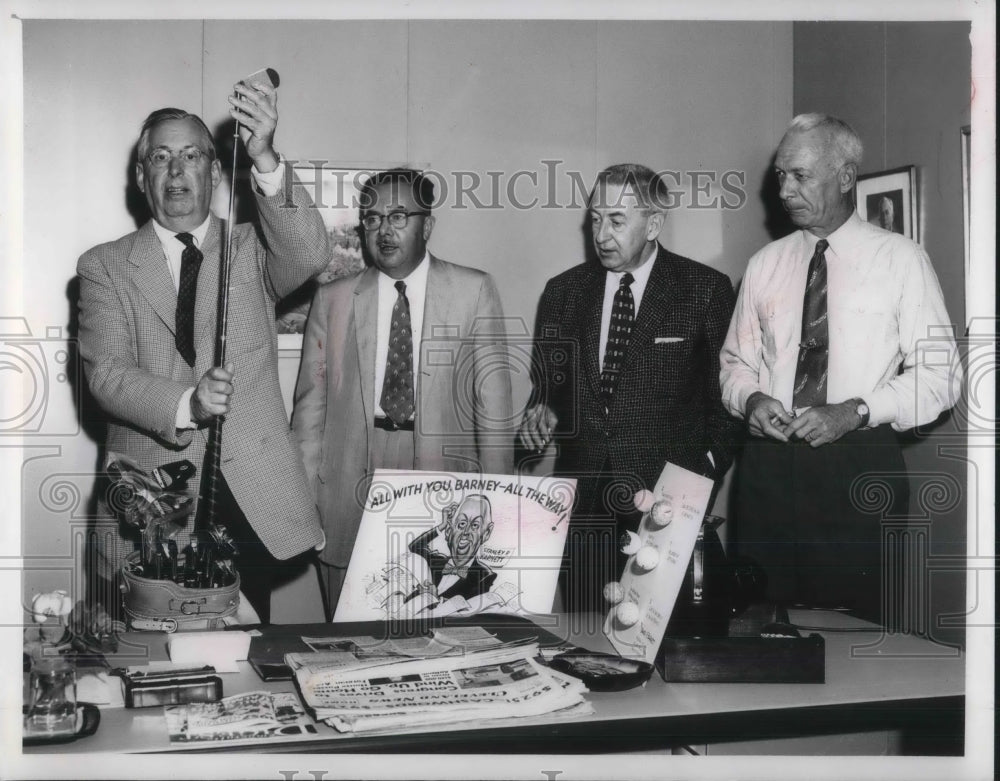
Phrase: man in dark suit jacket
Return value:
(627, 367)
(160, 390)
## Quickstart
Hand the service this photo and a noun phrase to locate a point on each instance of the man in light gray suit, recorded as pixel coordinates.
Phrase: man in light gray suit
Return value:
(148, 304)
(403, 367)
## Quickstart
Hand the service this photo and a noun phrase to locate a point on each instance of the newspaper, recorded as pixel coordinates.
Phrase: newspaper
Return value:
(252, 715)
(486, 685)
(447, 640)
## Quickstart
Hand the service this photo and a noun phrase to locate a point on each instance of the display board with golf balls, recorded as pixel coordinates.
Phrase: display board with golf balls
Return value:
(641, 603)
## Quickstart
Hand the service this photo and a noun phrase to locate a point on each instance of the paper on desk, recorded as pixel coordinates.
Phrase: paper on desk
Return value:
(101, 689)
(495, 683)
(222, 650)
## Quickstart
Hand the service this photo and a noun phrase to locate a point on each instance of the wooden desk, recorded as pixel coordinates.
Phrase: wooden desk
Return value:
(874, 683)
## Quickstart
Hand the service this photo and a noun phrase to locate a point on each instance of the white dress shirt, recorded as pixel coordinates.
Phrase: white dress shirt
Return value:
(416, 294)
(173, 247)
(268, 184)
(885, 311)
(612, 281)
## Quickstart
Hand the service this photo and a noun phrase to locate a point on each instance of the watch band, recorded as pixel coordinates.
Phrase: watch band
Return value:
(863, 412)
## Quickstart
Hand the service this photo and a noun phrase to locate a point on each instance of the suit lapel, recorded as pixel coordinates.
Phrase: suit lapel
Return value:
(206, 306)
(437, 299)
(592, 299)
(365, 325)
(152, 275)
(657, 301)
(440, 303)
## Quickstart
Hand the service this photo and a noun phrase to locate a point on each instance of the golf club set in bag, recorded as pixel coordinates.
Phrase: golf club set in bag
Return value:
(164, 588)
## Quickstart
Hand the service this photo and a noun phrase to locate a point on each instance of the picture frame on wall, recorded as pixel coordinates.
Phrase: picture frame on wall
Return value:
(888, 199)
(335, 189)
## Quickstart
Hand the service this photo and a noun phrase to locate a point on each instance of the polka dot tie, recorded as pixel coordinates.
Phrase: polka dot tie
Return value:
(187, 291)
(397, 388)
(619, 334)
(814, 347)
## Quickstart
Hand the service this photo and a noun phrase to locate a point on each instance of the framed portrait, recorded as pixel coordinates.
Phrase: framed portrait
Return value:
(966, 195)
(888, 199)
(335, 189)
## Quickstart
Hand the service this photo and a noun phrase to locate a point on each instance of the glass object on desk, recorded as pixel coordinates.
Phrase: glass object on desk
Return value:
(53, 697)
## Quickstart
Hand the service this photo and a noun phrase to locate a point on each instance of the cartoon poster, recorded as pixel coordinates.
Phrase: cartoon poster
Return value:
(433, 544)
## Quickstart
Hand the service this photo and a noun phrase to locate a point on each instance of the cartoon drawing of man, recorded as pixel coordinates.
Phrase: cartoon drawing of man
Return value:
(451, 550)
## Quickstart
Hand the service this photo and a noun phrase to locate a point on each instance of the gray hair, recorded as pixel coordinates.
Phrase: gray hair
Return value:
(647, 185)
(162, 115)
(844, 143)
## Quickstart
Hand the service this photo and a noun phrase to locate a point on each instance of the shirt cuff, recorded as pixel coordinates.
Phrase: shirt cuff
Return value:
(270, 183)
(737, 403)
(881, 406)
(183, 420)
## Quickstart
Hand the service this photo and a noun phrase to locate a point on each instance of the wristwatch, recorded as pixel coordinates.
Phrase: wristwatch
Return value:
(863, 412)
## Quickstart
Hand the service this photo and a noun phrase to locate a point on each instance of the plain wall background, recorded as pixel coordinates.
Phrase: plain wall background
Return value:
(454, 95)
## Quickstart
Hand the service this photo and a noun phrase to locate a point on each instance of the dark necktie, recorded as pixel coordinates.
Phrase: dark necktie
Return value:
(187, 291)
(397, 388)
(619, 334)
(814, 347)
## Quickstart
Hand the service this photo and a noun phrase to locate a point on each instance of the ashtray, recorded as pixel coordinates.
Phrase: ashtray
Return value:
(603, 672)
(88, 718)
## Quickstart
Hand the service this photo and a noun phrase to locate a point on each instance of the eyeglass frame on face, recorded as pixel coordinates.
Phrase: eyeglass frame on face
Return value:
(393, 217)
(189, 157)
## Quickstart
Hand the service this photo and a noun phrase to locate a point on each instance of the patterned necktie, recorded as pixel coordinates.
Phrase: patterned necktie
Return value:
(187, 291)
(397, 388)
(814, 347)
(619, 334)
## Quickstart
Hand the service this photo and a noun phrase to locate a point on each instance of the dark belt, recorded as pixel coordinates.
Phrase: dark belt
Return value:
(388, 424)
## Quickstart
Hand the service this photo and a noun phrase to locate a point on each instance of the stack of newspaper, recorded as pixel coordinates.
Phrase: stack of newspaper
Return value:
(252, 715)
(356, 691)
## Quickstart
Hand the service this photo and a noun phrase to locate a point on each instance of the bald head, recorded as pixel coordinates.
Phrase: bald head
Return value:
(469, 527)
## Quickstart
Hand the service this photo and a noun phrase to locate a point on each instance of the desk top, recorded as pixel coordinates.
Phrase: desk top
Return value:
(873, 681)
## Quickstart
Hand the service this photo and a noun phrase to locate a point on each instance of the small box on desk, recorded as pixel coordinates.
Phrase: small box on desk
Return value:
(762, 647)
(171, 687)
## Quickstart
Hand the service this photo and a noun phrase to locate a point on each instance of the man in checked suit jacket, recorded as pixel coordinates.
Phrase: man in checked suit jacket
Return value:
(665, 404)
(460, 418)
(159, 406)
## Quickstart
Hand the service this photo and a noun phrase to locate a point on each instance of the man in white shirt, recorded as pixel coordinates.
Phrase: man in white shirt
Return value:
(626, 373)
(148, 313)
(404, 366)
(836, 343)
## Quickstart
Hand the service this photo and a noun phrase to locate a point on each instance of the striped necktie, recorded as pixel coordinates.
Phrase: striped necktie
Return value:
(814, 346)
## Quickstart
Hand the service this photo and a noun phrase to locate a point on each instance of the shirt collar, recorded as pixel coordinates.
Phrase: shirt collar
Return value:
(416, 278)
(641, 274)
(166, 235)
(841, 240)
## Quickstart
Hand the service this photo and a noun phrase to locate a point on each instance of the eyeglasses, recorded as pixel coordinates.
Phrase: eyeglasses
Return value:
(160, 158)
(396, 219)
